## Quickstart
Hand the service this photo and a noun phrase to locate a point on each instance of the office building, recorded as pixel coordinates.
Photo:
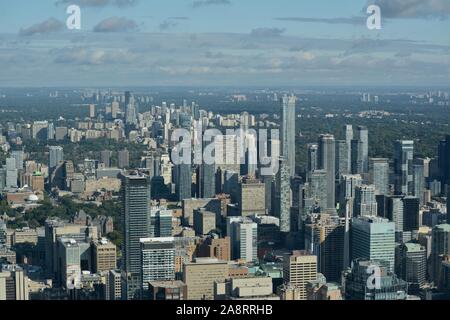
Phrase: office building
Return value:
(104, 256)
(160, 222)
(200, 275)
(440, 248)
(244, 238)
(288, 117)
(123, 159)
(158, 260)
(365, 201)
(252, 199)
(298, 269)
(411, 265)
(56, 155)
(13, 284)
(204, 222)
(324, 237)
(327, 162)
(135, 194)
(403, 169)
(373, 238)
(379, 175)
(387, 287)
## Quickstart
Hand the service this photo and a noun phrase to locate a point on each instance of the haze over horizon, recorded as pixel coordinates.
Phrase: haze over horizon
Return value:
(128, 43)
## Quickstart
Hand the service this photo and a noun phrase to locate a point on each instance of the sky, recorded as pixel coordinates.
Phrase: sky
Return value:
(224, 43)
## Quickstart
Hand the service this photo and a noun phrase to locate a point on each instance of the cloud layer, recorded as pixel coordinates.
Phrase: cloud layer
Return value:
(413, 8)
(116, 24)
(47, 26)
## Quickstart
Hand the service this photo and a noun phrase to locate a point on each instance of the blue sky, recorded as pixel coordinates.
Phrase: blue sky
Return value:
(224, 42)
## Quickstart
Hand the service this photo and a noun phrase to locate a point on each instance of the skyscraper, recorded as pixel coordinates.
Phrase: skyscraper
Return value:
(312, 161)
(105, 158)
(135, 193)
(365, 201)
(288, 117)
(373, 238)
(243, 234)
(419, 182)
(317, 189)
(324, 237)
(341, 159)
(347, 190)
(440, 247)
(363, 137)
(327, 162)
(379, 175)
(56, 155)
(411, 264)
(356, 282)
(183, 186)
(123, 161)
(284, 196)
(348, 131)
(403, 158)
(357, 163)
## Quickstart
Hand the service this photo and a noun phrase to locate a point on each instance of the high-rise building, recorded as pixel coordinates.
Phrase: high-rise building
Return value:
(183, 182)
(324, 237)
(411, 265)
(104, 256)
(347, 192)
(135, 193)
(395, 213)
(243, 233)
(386, 287)
(357, 162)
(200, 275)
(373, 238)
(363, 137)
(440, 248)
(204, 221)
(341, 159)
(317, 189)
(348, 131)
(123, 159)
(13, 284)
(56, 155)
(365, 202)
(298, 269)
(288, 117)
(252, 193)
(105, 158)
(158, 260)
(403, 159)
(284, 196)
(160, 222)
(419, 182)
(312, 161)
(379, 175)
(18, 156)
(327, 162)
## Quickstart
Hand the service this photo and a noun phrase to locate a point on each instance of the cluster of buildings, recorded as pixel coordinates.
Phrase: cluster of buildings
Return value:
(348, 226)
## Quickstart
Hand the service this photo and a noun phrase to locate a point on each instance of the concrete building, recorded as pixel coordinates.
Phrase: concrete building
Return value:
(200, 275)
(158, 260)
(204, 221)
(247, 288)
(103, 256)
(298, 269)
(252, 199)
(13, 284)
